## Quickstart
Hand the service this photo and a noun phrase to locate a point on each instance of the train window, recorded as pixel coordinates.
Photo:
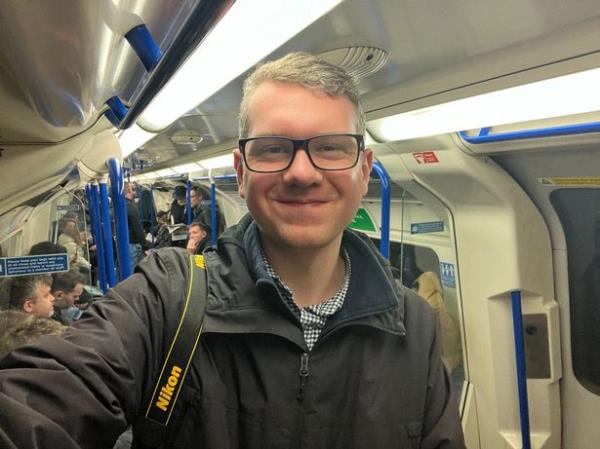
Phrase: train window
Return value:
(418, 268)
(581, 223)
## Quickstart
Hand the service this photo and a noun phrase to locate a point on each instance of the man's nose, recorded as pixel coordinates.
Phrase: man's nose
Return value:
(302, 170)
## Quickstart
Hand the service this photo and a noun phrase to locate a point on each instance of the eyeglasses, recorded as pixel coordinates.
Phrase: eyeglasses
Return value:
(275, 154)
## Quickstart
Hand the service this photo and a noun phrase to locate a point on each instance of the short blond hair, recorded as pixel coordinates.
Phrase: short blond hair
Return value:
(306, 70)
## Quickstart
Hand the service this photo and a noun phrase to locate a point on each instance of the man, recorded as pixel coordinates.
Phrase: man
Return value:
(32, 294)
(66, 289)
(306, 340)
(200, 202)
(198, 237)
(137, 239)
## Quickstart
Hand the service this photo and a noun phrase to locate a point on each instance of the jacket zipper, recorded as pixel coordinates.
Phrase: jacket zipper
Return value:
(303, 372)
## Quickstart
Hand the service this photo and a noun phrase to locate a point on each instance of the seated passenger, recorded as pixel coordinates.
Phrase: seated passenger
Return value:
(44, 248)
(162, 238)
(427, 285)
(199, 237)
(19, 328)
(31, 294)
(66, 289)
(70, 238)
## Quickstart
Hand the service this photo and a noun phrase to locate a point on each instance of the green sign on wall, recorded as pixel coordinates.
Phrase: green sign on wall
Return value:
(362, 221)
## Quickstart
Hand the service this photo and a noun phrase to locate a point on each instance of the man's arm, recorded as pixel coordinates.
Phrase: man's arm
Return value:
(81, 390)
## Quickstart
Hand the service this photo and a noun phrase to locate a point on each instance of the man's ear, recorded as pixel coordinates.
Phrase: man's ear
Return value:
(238, 164)
(366, 165)
(28, 306)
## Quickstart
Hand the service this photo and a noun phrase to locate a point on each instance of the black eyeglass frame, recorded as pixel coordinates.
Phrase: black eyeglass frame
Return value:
(297, 144)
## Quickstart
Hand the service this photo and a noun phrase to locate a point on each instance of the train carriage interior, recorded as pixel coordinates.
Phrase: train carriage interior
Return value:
(483, 116)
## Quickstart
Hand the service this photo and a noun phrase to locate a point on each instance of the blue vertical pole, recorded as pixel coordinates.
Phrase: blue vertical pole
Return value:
(97, 234)
(386, 199)
(213, 213)
(109, 255)
(120, 213)
(152, 214)
(521, 368)
(188, 202)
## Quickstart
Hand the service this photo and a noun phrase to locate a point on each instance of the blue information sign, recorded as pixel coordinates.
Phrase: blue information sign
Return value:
(447, 274)
(423, 228)
(20, 266)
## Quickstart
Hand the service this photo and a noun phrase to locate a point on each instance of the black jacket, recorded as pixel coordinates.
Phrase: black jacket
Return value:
(134, 225)
(374, 379)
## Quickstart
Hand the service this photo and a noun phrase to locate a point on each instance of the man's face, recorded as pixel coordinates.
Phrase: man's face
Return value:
(64, 300)
(301, 207)
(196, 233)
(194, 198)
(128, 192)
(43, 302)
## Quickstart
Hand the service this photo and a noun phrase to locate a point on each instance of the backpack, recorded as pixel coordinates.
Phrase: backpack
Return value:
(151, 430)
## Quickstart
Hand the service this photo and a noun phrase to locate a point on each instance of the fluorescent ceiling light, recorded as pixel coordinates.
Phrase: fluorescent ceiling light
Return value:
(571, 94)
(165, 172)
(133, 138)
(187, 168)
(248, 32)
(369, 139)
(217, 162)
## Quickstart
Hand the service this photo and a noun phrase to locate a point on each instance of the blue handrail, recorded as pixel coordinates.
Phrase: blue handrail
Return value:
(117, 107)
(198, 24)
(188, 201)
(144, 46)
(521, 368)
(120, 214)
(213, 213)
(92, 191)
(109, 255)
(384, 244)
(152, 215)
(553, 131)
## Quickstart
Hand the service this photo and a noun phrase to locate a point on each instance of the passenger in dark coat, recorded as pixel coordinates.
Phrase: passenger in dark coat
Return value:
(178, 205)
(307, 341)
(138, 244)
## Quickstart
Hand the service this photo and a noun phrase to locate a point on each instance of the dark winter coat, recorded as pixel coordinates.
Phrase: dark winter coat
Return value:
(373, 380)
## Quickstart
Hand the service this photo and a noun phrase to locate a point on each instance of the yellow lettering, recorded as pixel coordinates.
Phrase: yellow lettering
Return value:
(162, 403)
(166, 392)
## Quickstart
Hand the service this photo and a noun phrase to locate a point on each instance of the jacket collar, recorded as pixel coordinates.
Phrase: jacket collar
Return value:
(244, 299)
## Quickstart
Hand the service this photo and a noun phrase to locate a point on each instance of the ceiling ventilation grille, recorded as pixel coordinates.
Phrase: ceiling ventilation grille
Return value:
(358, 61)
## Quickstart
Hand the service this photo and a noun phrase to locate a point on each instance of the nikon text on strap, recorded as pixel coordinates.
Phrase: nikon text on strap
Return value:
(178, 359)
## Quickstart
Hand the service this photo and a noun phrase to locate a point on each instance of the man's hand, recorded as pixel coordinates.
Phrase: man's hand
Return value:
(191, 246)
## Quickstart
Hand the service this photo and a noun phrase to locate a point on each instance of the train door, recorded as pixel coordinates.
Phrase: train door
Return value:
(491, 240)
(564, 183)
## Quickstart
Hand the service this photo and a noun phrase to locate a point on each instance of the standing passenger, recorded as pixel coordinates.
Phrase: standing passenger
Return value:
(137, 238)
(307, 342)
